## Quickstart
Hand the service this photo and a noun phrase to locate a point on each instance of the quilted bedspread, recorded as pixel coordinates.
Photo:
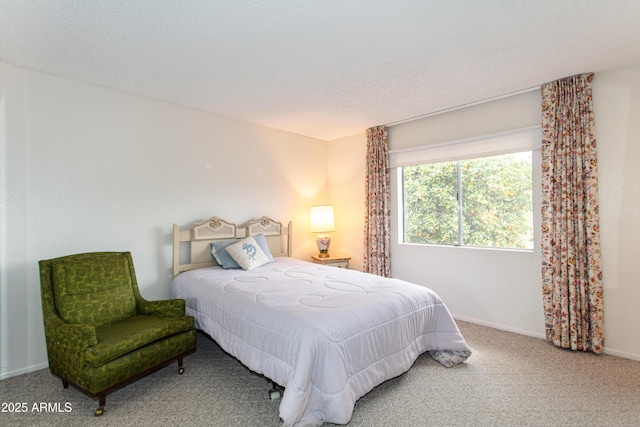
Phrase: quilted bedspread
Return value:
(328, 335)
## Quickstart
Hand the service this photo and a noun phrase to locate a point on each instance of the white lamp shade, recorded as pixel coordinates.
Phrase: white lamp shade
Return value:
(322, 219)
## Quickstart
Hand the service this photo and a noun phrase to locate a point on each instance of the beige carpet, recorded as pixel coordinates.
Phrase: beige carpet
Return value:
(510, 380)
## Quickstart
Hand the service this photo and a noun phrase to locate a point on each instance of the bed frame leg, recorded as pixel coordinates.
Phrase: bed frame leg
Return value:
(276, 391)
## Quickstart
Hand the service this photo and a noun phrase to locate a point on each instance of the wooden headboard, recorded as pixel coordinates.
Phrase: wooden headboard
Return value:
(197, 240)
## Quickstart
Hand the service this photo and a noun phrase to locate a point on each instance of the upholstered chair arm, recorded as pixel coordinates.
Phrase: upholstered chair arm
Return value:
(164, 308)
(72, 335)
(68, 344)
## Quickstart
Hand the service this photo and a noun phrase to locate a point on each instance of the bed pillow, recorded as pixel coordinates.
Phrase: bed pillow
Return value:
(223, 258)
(247, 253)
(220, 254)
(262, 242)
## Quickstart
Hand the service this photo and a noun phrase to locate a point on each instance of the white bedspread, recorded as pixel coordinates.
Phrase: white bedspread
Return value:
(328, 335)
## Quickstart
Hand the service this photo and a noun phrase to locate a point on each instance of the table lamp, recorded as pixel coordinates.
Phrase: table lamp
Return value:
(322, 222)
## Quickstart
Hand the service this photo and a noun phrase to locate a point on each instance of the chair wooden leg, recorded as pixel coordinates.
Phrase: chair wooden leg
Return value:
(180, 368)
(102, 399)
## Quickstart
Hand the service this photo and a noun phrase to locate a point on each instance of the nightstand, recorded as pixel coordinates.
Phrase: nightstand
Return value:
(333, 260)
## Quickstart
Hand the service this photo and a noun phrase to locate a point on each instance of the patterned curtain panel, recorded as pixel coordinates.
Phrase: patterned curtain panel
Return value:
(377, 221)
(570, 242)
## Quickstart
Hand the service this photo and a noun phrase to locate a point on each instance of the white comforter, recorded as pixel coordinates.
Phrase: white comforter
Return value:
(328, 335)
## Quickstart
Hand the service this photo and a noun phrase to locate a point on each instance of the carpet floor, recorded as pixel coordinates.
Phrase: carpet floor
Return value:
(510, 380)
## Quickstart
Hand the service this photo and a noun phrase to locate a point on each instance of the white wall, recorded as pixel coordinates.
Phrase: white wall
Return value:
(85, 168)
(616, 98)
(347, 165)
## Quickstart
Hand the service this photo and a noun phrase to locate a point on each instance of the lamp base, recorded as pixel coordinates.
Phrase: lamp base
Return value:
(323, 242)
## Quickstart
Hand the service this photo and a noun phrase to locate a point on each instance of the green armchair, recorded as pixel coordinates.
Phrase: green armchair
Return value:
(101, 334)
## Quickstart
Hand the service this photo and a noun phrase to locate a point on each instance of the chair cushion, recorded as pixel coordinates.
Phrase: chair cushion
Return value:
(120, 338)
(94, 291)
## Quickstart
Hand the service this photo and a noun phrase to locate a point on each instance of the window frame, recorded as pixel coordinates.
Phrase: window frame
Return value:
(512, 141)
(461, 237)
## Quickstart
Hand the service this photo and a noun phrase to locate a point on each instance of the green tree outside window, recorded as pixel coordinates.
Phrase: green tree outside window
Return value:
(482, 202)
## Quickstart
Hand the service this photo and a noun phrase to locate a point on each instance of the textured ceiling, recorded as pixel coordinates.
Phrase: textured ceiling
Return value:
(325, 69)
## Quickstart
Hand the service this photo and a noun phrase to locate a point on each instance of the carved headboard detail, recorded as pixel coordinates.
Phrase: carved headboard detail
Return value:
(197, 240)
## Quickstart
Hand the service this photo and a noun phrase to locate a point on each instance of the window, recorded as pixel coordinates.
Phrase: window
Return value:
(482, 202)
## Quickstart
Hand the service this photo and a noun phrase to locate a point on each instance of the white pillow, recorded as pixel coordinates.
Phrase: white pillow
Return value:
(247, 253)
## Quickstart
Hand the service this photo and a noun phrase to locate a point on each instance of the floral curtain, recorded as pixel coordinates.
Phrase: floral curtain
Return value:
(570, 239)
(377, 221)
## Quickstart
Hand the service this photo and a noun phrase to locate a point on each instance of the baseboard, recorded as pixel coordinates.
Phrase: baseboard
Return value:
(500, 327)
(622, 354)
(610, 351)
(25, 370)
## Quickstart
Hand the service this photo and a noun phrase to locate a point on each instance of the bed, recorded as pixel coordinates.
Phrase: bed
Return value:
(326, 335)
